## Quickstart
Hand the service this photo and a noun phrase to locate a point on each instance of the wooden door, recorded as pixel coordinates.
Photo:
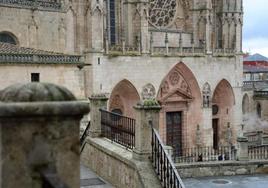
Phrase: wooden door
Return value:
(174, 131)
(215, 128)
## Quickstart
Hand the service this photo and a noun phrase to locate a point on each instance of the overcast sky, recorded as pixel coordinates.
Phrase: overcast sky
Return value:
(255, 36)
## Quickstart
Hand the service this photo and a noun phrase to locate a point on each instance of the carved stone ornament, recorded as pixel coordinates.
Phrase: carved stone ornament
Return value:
(148, 92)
(117, 103)
(206, 95)
(174, 78)
(165, 87)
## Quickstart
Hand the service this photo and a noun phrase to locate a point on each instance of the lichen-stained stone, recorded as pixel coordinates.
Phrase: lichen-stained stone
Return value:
(39, 126)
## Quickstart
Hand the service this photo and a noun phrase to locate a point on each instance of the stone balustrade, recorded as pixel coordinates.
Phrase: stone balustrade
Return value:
(167, 51)
(39, 58)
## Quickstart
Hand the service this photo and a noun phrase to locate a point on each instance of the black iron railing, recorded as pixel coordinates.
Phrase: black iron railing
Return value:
(83, 137)
(50, 179)
(260, 94)
(258, 152)
(118, 128)
(163, 165)
(205, 154)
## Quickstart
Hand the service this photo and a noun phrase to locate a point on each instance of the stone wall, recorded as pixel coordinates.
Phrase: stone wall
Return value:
(206, 169)
(141, 70)
(116, 165)
(44, 30)
(62, 74)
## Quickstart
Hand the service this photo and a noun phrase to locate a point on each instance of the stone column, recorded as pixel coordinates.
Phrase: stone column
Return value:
(97, 102)
(147, 116)
(242, 149)
(39, 132)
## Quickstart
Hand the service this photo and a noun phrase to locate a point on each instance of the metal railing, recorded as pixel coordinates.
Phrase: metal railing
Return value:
(205, 154)
(50, 179)
(163, 165)
(85, 133)
(83, 137)
(258, 152)
(260, 94)
(255, 84)
(118, 128)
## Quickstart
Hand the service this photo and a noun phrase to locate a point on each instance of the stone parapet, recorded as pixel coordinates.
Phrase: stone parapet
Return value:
(115, 164)
(39, 133)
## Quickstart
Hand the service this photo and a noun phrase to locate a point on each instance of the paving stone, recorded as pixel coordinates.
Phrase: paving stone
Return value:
(89, 179)
(254, 181)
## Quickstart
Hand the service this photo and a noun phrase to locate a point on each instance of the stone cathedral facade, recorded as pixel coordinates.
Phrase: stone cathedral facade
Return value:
(187, 54)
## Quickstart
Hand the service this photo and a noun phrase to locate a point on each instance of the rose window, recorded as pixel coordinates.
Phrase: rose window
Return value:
(162, 12)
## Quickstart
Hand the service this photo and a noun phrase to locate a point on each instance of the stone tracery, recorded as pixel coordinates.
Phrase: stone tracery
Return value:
(162, 12)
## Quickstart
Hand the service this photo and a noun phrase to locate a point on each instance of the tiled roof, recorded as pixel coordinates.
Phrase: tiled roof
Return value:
(10, 53)
(255, 57)
(7, 48)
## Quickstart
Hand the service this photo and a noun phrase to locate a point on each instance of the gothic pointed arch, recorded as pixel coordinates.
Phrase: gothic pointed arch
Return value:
(123, 98)
(223, 102)
(180, 97)
(245, 104)
(223, 93)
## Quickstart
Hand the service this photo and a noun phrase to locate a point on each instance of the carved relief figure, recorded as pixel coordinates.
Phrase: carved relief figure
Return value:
(148, 92)
(174, 78)
(117, 103)
(206, 96)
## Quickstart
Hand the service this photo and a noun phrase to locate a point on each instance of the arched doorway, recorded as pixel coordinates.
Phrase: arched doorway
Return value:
(222, 109)
(180, 98)
(123, 97)
(245, 104)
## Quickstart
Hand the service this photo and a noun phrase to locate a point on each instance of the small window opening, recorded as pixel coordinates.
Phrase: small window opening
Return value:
(7, 38)
(35, 77)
